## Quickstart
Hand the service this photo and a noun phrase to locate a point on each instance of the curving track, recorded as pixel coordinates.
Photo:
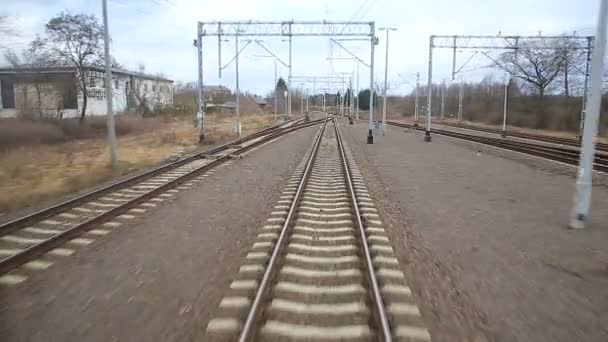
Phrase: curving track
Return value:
(30, 242)
(322, 268)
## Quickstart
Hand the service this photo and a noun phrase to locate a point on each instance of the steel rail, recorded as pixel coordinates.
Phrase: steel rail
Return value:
(555, 154)
(380, 312)
(9, 263)
(545, 138)
(11, 226)
(247, 329)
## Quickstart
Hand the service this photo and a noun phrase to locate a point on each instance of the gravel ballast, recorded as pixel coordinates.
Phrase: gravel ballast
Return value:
(482, 234)
(160, 277)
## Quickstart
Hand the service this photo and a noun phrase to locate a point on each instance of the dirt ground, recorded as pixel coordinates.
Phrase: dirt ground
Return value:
(483, 238)
(161, 277)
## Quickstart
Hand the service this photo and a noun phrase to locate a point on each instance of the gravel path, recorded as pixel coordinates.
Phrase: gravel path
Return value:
(483, 239)
(159, 278)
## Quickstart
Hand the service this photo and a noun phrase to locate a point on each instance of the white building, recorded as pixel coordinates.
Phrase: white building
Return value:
(55, 92)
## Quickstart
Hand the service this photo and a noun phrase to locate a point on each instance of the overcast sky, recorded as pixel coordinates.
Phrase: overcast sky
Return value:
(159, 33)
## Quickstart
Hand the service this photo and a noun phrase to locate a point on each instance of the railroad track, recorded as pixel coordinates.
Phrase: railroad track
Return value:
(544, 138)
(34, 241)
(561, 154)
(322, 268)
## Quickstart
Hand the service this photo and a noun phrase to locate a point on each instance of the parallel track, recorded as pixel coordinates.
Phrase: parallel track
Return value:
(544, 138)
(28, 237)
(561, 154)
(330, 272)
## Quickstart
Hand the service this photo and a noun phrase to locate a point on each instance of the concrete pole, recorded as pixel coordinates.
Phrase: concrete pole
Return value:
(357, 97)
(416, 101)
(323, 104)
(289, 79)
(504, 111)
(238, 89)
(388, 29)
(351, 99)
(370, 135)
(582, 200)
(108, 84)
(429, 102)
(275, 90)
(460, 95)
(585, 88)
(443, 100)
(200, 100)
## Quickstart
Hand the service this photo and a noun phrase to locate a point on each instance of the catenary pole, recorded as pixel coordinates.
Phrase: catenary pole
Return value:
(416, 103)
(585, 87)
(429, 104)
(443, 100)
(504, 111)
(370, 135)
(238, 89)
(108, 85)
(357, 95)
(582, 199)
(200, 100)
(289, 78)
(460, 96)
(275, 90)
(387, 29)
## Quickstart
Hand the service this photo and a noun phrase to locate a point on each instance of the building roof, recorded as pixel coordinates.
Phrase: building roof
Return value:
(64, 69)
(260, 100)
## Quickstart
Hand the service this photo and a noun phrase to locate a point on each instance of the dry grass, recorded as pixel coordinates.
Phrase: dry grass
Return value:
(33, 173)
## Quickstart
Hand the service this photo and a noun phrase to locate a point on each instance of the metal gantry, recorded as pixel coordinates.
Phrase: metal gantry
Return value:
(344, 81)
(501, 42)
(354, 29)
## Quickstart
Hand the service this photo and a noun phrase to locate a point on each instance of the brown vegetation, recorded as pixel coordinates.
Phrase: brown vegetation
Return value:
(43, 159)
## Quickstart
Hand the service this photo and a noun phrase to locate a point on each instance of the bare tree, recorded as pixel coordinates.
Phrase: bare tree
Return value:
(75, 39)
(573, 63)
(139, 91)
(537, 66)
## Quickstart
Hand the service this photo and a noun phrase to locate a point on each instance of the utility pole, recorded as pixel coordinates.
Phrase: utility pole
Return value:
(373, 41)
(387, 29)
(108, 84)
(504, 111)
(416, 100)
(584, 185)
(238, 89)
(429, 101)
(200, 99)
(357, 98)
(275, 90)
(289, 79)
(443, 100)
(585, 88)
(460, 95)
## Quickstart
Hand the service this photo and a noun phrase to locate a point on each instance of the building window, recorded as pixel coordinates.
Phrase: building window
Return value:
(153, 88)
(91, 81)
(145, 87)
(7, 94)
(70, 100)
(116, 84)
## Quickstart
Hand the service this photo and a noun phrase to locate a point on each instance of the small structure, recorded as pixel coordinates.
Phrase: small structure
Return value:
(260, 101)
(55, 91)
